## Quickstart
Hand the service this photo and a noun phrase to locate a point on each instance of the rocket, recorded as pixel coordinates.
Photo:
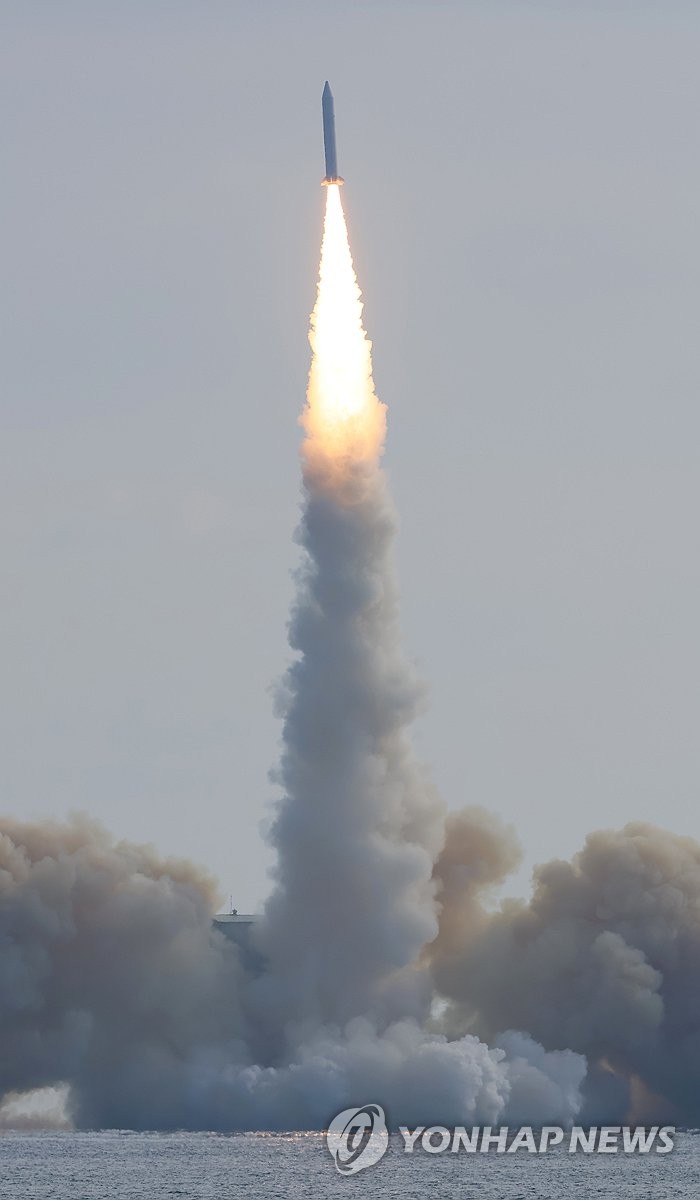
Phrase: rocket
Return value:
(331, 175)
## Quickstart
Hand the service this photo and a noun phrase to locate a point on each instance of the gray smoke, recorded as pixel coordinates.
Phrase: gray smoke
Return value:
(113, 982)
(360, 825)
(110, 977)
(604, 959)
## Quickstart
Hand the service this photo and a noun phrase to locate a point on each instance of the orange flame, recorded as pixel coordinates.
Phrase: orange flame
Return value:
(344, 421)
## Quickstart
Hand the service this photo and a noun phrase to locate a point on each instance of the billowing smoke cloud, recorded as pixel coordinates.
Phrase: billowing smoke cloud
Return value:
(113, 982)
(110, 976)
(604, 959)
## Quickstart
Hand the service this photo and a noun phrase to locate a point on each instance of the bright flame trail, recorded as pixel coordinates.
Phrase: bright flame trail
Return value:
(344, 421)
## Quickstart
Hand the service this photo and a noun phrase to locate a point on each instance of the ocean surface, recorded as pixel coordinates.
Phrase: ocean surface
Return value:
(152, 1166)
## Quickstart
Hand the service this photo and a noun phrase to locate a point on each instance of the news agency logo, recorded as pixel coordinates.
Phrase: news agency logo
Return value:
(357, 1138)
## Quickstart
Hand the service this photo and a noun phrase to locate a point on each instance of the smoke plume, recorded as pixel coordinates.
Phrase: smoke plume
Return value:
(604, 959)
(113, 982)
(381, 970)
(111, 979)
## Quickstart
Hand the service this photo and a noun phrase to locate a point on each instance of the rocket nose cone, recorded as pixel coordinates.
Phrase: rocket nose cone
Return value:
(326, 89)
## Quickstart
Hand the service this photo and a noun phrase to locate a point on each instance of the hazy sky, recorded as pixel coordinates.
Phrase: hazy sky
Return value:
(522, 194)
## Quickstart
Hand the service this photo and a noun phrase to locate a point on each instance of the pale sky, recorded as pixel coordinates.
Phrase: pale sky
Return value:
(522, 196)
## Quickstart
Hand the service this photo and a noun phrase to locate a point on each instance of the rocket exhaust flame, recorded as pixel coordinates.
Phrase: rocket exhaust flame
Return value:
(344, 421)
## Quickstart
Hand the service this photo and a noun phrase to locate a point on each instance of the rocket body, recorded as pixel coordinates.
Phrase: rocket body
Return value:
(331, 175)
